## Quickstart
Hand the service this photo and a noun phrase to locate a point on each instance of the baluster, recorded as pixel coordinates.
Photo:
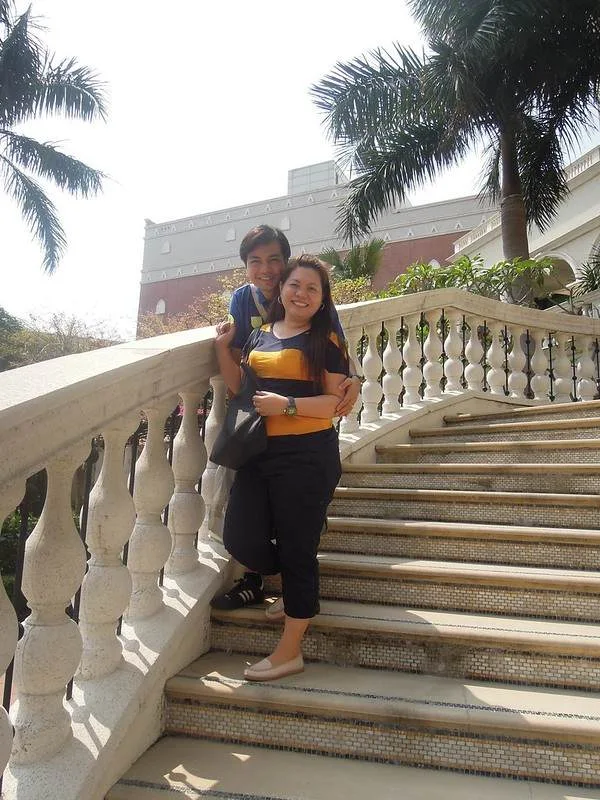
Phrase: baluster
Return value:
(49, 651)
(433, 370)
(392, 361)
(214, 502)
(563, 381)
(411, 352)
(372, 364)
(496, 376)
(517, 379)
(540, 381)
(186, 509)
(586, 371)
(474, 372)
(106, 588)
(349, 423)
(453, 346)
(9, 628)
(150, 543)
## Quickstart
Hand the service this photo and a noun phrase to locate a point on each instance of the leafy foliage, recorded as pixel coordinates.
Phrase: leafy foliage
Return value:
(517, 281)
(520, 77)
(361, 261)
(33, 84)
(41, 338)
(207, 309)
(589, 276)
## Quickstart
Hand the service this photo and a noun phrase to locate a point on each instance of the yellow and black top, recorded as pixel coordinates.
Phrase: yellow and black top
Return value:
(281, 367)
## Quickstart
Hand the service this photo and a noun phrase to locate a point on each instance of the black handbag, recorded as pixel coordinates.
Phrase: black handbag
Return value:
(243, 435)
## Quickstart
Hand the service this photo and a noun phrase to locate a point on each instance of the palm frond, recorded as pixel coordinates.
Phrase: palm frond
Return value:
(43, 159)
(331, 256)
(407, 161)
(368, 94)
(71, 90)
(543, 179)
(19, 70)
(37, 210)
(6, 12)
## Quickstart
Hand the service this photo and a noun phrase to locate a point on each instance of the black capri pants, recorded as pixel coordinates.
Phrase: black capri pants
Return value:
(276, 511)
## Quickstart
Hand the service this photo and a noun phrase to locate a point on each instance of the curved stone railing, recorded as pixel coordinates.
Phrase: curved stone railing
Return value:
(409, 349)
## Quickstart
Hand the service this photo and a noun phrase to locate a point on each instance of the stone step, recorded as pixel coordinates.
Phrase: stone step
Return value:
(563, 478)
(547, 411)
(458, 541)
(459, 586)
(511, 508)
(584, 428)
(179, 767)
(502, 451)
(449, 643)
(382, 715)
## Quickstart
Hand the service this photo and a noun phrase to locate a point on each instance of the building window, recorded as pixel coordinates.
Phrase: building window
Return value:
(161, 307)
(230, 235)
(285, 224)
(165, 248)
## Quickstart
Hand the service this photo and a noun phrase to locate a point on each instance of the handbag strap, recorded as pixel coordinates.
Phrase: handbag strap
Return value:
(259, 306)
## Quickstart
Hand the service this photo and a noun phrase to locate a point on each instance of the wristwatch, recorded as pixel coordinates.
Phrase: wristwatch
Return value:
(290, 410)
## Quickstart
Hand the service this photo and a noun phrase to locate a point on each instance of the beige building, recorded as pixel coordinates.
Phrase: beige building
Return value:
(184, 257)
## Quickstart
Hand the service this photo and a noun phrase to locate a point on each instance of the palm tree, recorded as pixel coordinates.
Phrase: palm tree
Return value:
(32, 85)
(520, 77)
(361, 261)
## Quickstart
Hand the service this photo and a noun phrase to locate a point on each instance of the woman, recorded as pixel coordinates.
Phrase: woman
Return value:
(284, 493)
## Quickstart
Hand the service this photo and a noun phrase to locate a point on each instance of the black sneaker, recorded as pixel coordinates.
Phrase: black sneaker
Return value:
(248, 591)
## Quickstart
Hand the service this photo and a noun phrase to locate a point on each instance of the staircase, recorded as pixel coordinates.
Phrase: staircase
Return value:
(458, 644)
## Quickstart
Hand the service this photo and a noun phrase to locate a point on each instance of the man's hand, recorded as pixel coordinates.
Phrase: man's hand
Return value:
(269, 404)
(351, 389)
(225, 332)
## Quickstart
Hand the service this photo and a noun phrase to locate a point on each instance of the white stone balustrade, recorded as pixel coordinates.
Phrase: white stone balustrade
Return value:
(9, 628)
(150, 542)
(474, 372)
(453, 368)
(214, 502)
(186, 509)
(46, 408)
(49, 651)
(433, 369)
(411, 353)
(349, 423)
(372, 364)
(106, 588)
(562, 367)
(392, 362)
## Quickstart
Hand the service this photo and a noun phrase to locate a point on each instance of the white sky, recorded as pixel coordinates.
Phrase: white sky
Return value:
(209, 108)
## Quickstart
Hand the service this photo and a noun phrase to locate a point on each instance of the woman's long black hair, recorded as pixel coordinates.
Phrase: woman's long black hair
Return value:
(321, 324)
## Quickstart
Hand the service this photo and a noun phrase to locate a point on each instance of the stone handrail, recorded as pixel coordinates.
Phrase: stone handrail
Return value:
(409, 349)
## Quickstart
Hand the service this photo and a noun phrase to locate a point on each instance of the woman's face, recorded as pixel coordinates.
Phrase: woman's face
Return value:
(302, 294)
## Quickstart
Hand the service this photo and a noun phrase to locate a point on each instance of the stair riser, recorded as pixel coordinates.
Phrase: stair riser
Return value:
(483, 599)
(450, 657)
(455, 435)
(568, 411)
(537, 554)
(395, 744)
(568, 484)
(392, 508)
(518, 456)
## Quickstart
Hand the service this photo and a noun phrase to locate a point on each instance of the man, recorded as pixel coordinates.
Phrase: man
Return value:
(265, 251)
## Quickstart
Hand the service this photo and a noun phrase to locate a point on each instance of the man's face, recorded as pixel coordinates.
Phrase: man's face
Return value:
(263, 267)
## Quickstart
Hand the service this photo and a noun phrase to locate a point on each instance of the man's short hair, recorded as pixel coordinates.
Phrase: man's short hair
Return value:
(264, 234)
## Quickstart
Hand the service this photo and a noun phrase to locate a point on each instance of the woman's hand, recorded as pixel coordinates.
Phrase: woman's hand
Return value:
(225, 332)
(269, 404)
(351, 389)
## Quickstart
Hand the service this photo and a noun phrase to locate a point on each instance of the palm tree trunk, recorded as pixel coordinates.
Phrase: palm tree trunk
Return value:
(512, 208)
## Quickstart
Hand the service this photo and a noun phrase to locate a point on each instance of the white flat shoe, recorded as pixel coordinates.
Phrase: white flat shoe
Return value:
(275, 611)
(265, 671)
